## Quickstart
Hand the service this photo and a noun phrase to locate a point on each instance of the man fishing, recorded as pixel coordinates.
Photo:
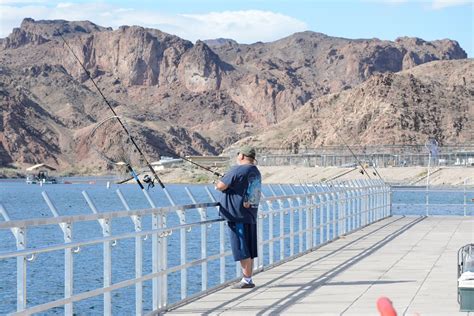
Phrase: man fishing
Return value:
(241, 188)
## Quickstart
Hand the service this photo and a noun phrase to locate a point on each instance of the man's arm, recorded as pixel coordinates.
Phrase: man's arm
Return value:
(221, 186)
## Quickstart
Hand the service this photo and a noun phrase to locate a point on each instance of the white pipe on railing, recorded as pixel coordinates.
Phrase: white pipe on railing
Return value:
(137, 222)
(68, 256)
(20, 238)
(203, 216)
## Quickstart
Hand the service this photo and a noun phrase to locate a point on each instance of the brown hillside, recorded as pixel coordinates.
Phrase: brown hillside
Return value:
(434, 100)
(199, 99)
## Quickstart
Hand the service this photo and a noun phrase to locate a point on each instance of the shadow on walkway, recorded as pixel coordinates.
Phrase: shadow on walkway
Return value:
(305, 289)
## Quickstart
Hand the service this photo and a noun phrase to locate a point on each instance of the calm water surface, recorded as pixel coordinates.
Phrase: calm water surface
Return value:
(45, 274)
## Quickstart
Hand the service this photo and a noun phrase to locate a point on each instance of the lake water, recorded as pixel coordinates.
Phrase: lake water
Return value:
(45, 274)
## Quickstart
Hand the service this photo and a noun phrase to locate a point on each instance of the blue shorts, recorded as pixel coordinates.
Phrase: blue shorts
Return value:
(243, 240)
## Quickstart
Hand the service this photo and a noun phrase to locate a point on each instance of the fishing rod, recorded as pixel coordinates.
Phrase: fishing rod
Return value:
(357, 159)
(129, 167)
(376, 173)
(148, 180)
(195, 163)
(353, 154)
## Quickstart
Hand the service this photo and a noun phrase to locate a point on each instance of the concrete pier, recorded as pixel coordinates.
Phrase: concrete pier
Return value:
(411, 260)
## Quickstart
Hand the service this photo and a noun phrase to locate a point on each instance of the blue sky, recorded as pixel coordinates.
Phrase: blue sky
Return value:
(263, 20)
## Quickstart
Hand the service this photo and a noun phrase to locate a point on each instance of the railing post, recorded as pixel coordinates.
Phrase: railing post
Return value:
(360, 205)
(465, 197)
(270, 232)
(377, 203)
(366, 204)
(352, 207)
(282, 225)
(260, 218)
(182, 248)
(292, 227)
(328, 217)
(390, 200)
(340, 211)
(321, 212)
(203, 215)
(370, 197)
(299, 204)
(309, 221)
(158, 247)
(334, 215)
(107, 254)
(345, 206)
(68, 259)
(106, 231)
(292, 222)
(20, 237)
(221, 242)
(311, 211)
(137, 222)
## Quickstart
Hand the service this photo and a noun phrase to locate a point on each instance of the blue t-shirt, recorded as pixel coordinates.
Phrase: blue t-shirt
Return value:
(244, 185)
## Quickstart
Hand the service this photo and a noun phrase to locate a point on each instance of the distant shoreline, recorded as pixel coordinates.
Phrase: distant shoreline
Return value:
(296, 174)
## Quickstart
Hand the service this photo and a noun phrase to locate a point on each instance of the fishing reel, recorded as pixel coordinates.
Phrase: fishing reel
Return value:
(147, 179)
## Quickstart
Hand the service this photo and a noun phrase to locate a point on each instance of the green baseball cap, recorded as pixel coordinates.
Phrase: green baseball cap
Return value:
(247, 151)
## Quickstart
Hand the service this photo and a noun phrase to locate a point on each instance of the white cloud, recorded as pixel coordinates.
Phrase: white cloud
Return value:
(22, 1)
(433, 4)
(65, 5)
(243, 26)
(246, 26)
(441, 4)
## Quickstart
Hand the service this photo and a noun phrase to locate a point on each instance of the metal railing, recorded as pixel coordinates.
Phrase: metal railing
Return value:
(434, 200)
(458, 159)
(292, 220)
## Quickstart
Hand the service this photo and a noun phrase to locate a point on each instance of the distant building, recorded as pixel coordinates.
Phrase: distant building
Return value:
(166, 162)
(210, 161)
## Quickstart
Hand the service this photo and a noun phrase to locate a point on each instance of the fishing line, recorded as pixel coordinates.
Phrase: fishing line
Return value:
(149, 181)
(116, 116)
(364, 171)
(195, 163)
(353, 154)
(110, 143)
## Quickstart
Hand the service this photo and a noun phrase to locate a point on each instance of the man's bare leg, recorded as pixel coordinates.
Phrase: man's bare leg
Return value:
(246, 282)
(247, 267)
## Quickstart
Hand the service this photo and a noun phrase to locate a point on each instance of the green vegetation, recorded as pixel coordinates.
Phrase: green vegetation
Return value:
(201, 178)
(422, 174)
(11, 172)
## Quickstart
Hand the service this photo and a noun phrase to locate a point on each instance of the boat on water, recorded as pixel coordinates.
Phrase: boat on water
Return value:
(39, 174)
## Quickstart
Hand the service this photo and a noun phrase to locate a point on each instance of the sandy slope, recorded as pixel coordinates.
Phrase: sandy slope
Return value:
(292, 174)
(402, 175)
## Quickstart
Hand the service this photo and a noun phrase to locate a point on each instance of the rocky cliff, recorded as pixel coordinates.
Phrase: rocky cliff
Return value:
(434, 100)
(200, 98)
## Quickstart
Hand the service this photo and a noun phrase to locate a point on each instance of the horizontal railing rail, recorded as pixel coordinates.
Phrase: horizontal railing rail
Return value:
(292, 220)
(421, 199)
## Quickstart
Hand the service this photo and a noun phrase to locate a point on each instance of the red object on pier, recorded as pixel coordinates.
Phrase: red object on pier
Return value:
(385, 307)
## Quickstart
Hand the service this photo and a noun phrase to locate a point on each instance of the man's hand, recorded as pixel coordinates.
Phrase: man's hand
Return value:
(221, 186)
(246, 204)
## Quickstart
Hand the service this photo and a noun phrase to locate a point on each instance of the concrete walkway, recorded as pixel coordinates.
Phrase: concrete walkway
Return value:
(411, 260)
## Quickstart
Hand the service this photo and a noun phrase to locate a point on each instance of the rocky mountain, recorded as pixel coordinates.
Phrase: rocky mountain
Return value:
(181, 97)
(434, 100)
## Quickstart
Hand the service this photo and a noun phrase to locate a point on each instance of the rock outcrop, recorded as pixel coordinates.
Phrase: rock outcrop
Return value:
(434, 100)
(200, 69)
